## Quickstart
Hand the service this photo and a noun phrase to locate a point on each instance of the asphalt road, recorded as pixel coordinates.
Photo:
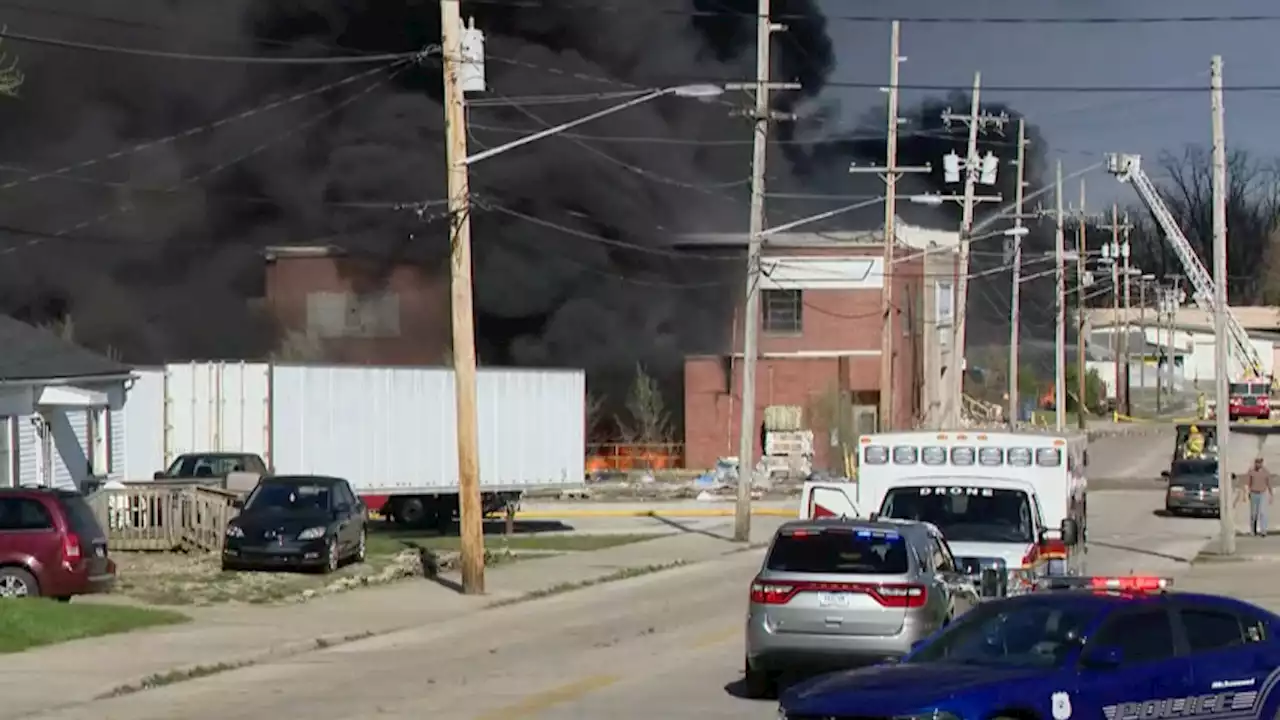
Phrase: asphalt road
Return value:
(665, 645)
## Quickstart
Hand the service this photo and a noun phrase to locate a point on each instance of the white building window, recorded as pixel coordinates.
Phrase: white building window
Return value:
(100, 441)
(7, 444)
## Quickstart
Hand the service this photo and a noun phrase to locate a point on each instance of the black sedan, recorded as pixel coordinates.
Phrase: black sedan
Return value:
(288, 522)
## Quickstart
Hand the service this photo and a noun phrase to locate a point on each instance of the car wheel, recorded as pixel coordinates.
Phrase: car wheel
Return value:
(18, 583)
(361, 549)
(332, 558)
(759, 684)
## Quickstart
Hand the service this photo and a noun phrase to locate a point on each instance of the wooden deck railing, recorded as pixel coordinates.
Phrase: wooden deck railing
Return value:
(149, 516)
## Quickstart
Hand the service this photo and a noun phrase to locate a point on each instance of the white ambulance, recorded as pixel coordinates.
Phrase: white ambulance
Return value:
(1013, 501)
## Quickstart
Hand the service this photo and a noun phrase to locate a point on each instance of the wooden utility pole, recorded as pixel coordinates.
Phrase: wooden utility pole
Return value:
(1127, 404)
(887, 313)
(470, 520)
(1220, 360)
(1060, 323)
(1015, 292)
(955, 388)
(1118, 360)
(1082, 321)
(751, 310)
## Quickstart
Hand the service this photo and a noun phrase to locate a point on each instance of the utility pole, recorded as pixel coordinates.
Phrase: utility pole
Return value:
(1174, 300)
(974, 167)
(1082, 322)
(765, 28)
(890, 173)
(1126, 229)
(470, 513)
(1060, 329)
(1162, 308)
(1228, 531)
(1142, 328)
(1117, 251)
(1015, 295)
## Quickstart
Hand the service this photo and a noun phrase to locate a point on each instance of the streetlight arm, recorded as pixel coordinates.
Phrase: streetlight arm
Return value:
(556, 130)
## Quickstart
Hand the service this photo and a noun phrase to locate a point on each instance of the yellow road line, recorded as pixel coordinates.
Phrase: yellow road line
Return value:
(711, 639)
(543, 701)
(615, 513)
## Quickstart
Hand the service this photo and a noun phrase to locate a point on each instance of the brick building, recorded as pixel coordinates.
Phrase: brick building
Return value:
(820, 338)
(348, 309)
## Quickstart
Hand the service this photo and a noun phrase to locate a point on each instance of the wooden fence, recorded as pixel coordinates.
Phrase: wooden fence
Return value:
(164, 517)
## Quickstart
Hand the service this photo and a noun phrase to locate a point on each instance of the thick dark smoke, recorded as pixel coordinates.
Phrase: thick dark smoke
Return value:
(167, 275)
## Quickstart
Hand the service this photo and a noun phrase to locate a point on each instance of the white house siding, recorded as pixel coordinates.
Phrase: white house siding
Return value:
(28, 451)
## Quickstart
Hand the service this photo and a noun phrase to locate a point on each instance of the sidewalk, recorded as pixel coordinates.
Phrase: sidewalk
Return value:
(224, 637)
(1249, 574)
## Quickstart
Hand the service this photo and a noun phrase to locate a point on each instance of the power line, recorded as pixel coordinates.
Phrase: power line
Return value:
(196, 130)
(355, 59)
(229, 197)
(934, 20)
(1059, 88)
(199, 177)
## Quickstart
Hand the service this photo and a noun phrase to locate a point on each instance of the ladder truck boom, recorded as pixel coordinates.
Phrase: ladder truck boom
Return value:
(1128, 168)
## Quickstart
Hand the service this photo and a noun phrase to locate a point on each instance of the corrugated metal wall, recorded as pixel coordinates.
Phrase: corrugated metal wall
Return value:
(217, 406)
(143, 426)
(394, 428)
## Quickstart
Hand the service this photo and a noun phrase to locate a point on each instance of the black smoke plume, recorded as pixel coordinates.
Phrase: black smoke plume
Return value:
(166, 275)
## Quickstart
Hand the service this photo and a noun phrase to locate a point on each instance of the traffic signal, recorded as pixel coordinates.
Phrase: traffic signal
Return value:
(951, 167)
(989, 169)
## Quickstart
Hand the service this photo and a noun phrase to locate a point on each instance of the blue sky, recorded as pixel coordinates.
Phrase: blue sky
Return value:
(1079, 126)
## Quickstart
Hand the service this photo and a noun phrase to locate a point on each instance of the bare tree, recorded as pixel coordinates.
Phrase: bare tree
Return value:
(11, 78)
(594, 404)
(1253, 217)
(647, 420)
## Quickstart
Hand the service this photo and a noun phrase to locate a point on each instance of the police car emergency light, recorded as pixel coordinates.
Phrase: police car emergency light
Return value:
(1133, 583)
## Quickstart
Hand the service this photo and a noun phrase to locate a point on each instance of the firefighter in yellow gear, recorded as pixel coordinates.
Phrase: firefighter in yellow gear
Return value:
(1194, 447)
(1202, 407)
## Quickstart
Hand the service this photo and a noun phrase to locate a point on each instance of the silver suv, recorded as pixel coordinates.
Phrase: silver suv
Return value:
(838, 593)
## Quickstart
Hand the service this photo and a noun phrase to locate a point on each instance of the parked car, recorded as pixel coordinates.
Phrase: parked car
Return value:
(234, 471)
(51, 545)
(839, 593)
(297, 522)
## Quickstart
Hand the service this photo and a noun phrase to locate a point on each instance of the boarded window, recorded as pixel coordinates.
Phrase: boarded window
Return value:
(782, 311)
(348, 315)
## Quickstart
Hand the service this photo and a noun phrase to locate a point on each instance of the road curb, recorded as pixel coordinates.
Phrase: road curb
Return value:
(675, 514)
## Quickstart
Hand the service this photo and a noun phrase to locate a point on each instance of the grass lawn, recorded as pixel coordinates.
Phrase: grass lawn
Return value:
(387, 541)
(31, 623)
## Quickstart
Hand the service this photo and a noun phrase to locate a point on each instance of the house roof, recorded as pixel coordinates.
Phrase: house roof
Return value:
(31, 353)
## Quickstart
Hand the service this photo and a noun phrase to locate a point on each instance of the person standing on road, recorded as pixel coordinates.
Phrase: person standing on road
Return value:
(1258, 483)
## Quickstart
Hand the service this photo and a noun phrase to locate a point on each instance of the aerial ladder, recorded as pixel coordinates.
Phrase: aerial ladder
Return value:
(1128, 168)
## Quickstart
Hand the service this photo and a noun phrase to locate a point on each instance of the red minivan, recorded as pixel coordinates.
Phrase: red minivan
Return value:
(51, 545)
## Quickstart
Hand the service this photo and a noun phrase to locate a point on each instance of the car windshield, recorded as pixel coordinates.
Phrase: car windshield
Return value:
(289, 497)
(964, 514)
(1250, 389)
(840, 552)
(190, 466)
(1033, 634)
(1207, 468)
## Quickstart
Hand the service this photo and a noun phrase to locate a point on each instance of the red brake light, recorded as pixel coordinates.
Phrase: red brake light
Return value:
(1139, 584)
(894, 595)
(70, 547)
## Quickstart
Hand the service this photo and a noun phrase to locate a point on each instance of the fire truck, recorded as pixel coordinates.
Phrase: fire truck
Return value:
(1250, 398)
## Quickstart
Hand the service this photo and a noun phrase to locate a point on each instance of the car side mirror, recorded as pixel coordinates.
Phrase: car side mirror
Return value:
(1070, 532)
(238, 504)
(1165, 474)
(1104, 658)
(991, 583)
(158, 476)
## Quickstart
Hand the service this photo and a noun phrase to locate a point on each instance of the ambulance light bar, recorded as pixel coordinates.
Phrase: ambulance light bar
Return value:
(1132, 583)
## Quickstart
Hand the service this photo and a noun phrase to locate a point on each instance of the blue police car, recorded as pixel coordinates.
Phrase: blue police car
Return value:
(1108, 648)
